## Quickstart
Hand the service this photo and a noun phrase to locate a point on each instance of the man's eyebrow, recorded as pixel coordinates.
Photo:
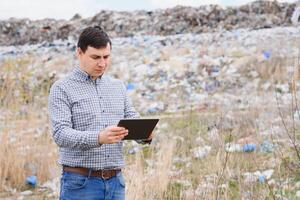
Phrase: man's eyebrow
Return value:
(97, 56)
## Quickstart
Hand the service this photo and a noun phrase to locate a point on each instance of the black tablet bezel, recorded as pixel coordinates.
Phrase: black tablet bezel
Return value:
(138, 129)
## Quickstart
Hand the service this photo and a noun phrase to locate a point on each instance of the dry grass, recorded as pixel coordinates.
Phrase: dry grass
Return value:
(165, 170)
(149, 181)
(26, 151)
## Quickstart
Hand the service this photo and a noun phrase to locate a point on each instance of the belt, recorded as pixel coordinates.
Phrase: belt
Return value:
(105, 174)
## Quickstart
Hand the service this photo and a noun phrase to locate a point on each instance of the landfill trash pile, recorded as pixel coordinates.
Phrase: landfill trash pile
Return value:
(177, 20)
(226, 70)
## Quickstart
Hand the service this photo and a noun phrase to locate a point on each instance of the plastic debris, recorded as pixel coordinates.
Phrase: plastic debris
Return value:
(31, 180)
(297, 115)
(130, 86)
(201, 152)
(267, 55)
(261, 178)
(235, 147)
(231, 147)
(258, 176)
(213, 133)
(152, 110)
(135, 149)
(268, 173)
(266, 147)
(156, 107)
(249, 147)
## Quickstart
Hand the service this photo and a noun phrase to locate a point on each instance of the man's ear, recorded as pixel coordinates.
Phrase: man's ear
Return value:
(78, 52)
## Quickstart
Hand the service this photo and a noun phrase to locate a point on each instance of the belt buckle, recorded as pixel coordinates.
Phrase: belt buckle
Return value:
(103, 174)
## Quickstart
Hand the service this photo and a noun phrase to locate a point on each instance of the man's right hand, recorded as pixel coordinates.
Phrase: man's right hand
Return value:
(112, 134)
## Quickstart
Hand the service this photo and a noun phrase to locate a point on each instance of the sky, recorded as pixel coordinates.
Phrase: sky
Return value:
(66, 9)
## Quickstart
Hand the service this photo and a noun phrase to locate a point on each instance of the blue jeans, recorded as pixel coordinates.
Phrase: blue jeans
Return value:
(76, 186)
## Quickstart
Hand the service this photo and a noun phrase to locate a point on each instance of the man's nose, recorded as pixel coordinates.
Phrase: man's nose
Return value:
(101, 62)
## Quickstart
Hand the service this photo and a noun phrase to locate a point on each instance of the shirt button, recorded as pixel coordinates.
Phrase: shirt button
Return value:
(100, 97)
(103, 110)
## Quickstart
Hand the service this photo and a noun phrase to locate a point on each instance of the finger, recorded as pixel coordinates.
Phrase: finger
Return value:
(115, 139)
(117, 136)
(116, 128)
(113, 127)
(120, 137)
(117, 133)
(150, 136)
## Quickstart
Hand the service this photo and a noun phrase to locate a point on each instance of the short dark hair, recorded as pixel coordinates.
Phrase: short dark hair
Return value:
(93, 36)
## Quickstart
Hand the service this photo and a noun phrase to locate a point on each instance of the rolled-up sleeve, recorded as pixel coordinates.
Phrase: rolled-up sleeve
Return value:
(60, 115)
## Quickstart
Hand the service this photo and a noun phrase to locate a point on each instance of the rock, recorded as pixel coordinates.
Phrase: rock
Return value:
(26, 193)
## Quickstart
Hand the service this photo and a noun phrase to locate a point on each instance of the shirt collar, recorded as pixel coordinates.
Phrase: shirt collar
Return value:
(79, 73)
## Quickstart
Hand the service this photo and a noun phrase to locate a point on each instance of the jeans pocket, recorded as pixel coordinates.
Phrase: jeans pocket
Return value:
(73, 181)
(121, 179)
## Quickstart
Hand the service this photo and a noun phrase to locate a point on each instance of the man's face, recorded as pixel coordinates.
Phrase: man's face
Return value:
(94, 61)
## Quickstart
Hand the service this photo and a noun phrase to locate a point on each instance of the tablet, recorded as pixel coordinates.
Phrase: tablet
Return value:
(138, 129)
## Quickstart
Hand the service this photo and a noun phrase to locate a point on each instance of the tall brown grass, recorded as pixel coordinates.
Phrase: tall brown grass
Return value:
(165, 170)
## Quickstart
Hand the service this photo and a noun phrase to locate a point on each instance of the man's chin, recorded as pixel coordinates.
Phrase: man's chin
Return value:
(99, 73)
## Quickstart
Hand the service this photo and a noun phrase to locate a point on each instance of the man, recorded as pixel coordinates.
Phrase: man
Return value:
(84, 109)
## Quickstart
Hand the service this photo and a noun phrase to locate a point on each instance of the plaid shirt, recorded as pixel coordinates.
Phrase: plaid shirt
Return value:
(79, 108)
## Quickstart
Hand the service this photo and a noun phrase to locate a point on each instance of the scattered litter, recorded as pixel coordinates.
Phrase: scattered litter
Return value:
(249, 147)
(31, 180)
(231, 147)
(201, 152)
(266, 147)
(135, 149)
